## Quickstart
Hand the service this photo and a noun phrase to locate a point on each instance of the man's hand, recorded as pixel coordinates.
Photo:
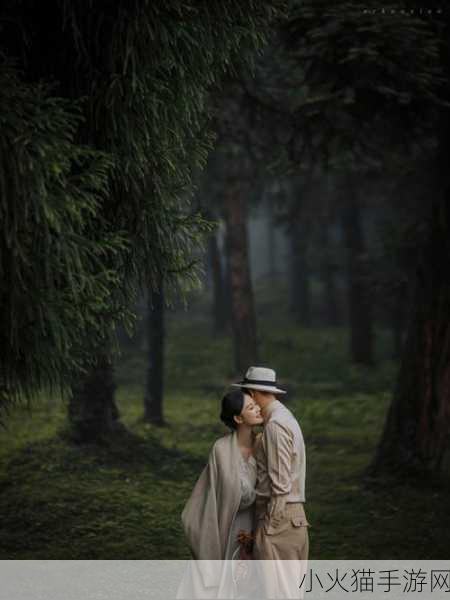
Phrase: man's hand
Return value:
(276, 509)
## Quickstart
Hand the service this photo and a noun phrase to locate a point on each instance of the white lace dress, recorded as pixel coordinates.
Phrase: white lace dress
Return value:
(246, 514)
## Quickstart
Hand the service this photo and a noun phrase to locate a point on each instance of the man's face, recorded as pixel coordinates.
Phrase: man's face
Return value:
(262, 399)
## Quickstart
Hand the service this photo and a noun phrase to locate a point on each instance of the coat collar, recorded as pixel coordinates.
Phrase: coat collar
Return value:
(270, 408)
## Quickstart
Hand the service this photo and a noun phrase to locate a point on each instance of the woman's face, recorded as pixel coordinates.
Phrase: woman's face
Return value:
(250, 413)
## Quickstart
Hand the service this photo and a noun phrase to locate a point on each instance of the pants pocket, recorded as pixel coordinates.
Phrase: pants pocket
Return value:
(274, 527)
(299, 521)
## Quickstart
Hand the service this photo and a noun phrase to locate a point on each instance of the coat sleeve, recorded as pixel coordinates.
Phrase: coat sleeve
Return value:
(279, 447)
(200, 523)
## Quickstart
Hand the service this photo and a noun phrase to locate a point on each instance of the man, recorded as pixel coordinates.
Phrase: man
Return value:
(281, 532)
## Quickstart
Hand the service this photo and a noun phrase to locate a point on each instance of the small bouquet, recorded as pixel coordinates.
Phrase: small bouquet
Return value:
(245, 539)
(242, 570)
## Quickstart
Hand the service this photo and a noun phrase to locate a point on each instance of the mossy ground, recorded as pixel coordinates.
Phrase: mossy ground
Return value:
(123, 499)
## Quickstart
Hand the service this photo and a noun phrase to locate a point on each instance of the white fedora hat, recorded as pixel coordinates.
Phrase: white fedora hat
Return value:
(260, 378)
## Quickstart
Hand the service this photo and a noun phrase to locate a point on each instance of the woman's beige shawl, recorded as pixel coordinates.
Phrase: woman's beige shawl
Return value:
(210, 510)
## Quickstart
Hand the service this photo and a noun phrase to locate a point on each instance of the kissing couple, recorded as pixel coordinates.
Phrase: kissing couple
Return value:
(248, 502)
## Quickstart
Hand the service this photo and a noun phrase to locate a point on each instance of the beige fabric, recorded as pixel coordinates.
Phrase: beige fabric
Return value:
(210, 511)
(289, 540)
(281, 463)
(245, 516)
(281, 536)
(285, 551)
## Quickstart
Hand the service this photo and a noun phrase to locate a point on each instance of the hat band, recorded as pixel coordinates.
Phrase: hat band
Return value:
(260, 382)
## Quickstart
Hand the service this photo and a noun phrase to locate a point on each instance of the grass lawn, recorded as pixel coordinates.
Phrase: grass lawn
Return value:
(123, 500)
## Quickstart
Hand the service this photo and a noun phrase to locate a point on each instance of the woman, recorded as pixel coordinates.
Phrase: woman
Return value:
(222, 502)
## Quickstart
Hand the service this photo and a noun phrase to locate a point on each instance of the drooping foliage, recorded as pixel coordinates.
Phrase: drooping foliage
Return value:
(104, 116)
(55, 289)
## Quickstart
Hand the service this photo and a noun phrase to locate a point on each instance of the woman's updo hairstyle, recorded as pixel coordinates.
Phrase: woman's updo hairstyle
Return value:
(232, 404)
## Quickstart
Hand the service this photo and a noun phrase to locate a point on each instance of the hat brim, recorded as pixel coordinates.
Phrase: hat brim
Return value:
(262, 388)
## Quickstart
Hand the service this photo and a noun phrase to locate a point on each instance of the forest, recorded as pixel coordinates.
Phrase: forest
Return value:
(189, 188)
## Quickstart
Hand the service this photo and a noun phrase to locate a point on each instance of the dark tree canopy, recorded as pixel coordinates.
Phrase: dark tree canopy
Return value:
(104, 116)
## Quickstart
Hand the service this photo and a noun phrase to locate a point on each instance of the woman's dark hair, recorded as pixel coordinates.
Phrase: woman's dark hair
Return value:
(232, 404)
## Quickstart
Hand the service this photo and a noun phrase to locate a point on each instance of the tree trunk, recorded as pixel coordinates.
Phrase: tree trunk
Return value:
(300, 275)
(242, 303)
(271, 239)
(154, 385)
(397, 315)
(92, 411)
(359, 303)
(328, 275)
(416, 431)
(220, 308)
